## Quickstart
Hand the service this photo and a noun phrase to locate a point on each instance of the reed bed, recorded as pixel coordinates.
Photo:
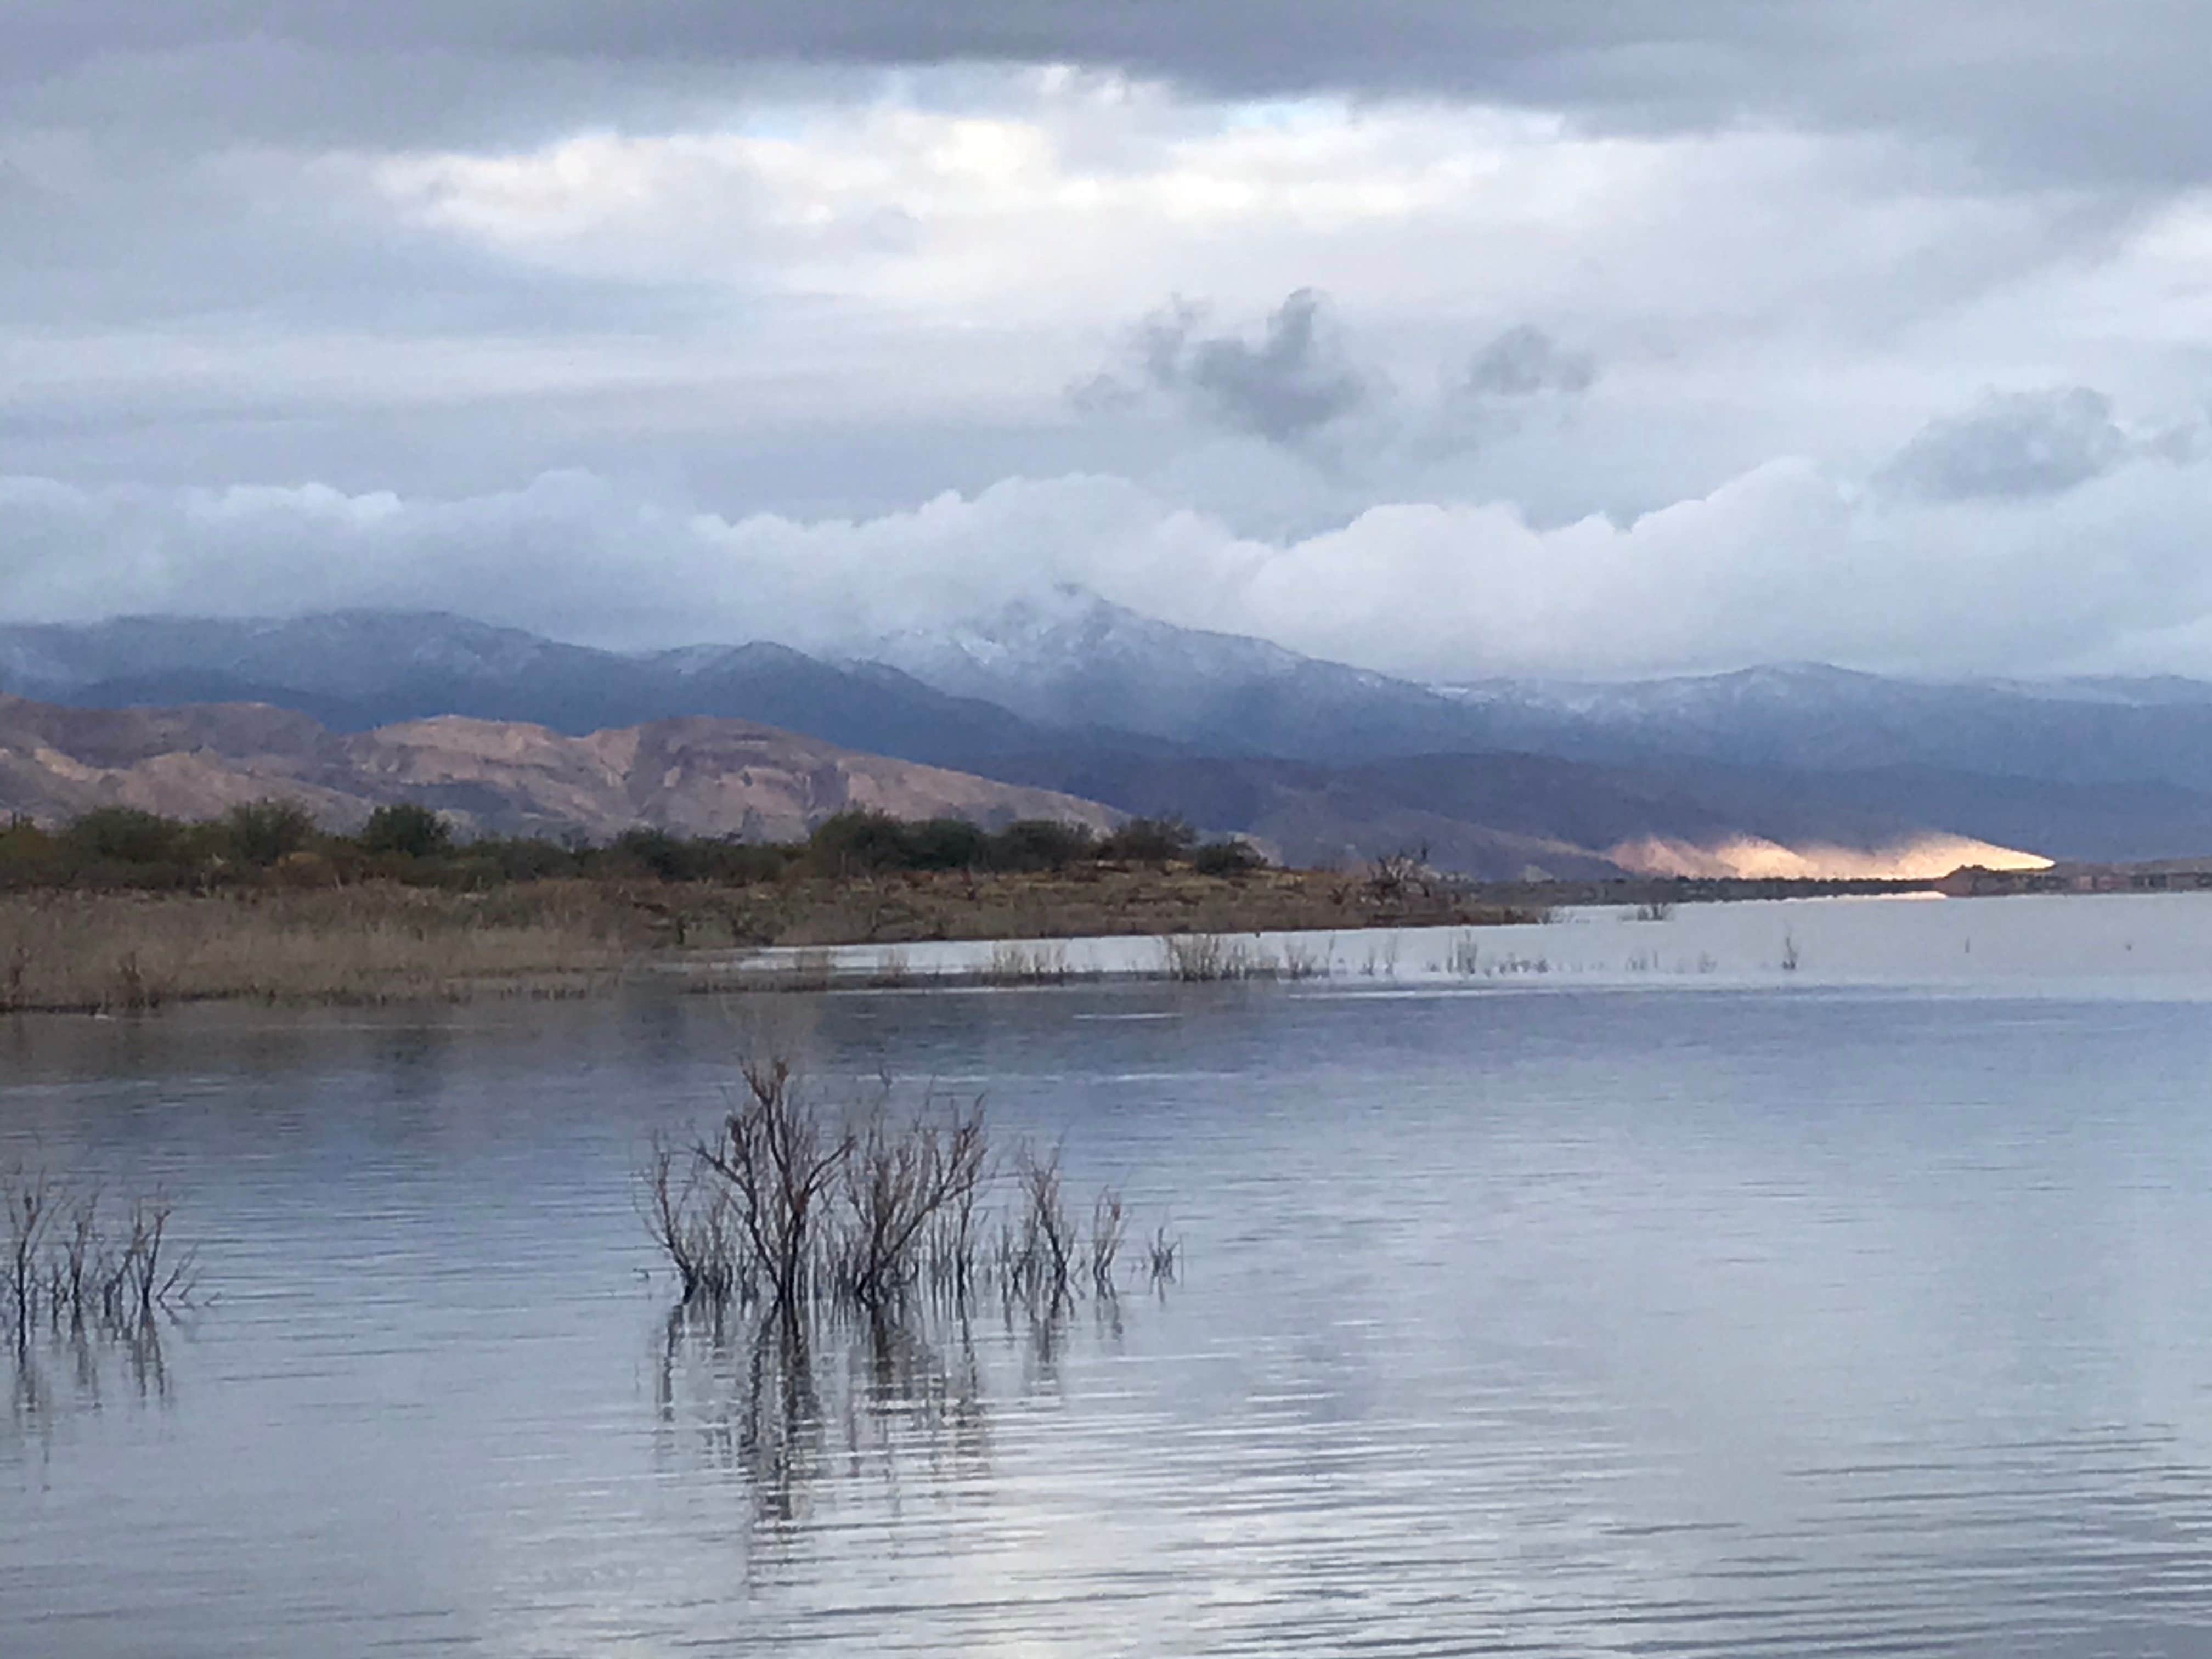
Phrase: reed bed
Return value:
(1201, 957)
(1014, 962)
(114, 953)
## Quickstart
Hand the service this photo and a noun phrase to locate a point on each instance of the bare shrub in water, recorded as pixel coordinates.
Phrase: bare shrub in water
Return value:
(795, 1206)
(779, 1164)
(1015, 964)
(897, 1180)
(1197, 957)
(1048, 1234)
(68, 1266)
(1107, 1225)
(691, 1221)
(1161, 1254)
(1465, 958)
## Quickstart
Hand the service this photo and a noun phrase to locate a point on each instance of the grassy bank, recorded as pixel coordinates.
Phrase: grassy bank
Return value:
(113, 952)
(1085, 901)
(123, 909)
(384, 941)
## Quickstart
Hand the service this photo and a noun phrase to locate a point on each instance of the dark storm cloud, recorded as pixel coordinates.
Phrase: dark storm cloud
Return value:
(1291, 382)
(2017, 445)
(2028, 86)
(1524, 362)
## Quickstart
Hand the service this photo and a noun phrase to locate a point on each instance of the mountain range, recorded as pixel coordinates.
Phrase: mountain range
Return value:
(1803, 769)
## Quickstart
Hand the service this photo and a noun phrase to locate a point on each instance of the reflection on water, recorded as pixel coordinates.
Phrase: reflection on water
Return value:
(785, 1404)
(58, 1368)
(1816, 1316)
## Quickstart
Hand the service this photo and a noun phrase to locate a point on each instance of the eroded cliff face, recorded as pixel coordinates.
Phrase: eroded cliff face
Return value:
(698, 777)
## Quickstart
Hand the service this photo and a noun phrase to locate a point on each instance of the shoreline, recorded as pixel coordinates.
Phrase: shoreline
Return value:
(386, 943)
(74, 952)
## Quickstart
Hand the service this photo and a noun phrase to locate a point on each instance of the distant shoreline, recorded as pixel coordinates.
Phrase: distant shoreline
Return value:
(65, 951)
(385, 942)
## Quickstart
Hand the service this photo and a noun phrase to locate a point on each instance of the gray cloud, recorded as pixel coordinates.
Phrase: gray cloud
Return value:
(1290, 383)
(2015, 445)
(2035, 86)
(1524, 362)
(715, 255)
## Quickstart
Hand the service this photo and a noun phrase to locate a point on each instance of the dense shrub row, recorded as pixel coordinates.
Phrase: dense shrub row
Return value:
(275, 840)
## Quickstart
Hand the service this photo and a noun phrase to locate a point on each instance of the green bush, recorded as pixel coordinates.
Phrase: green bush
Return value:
(262, 832)
(123, 834)
(1227, 858)
(1150, 841)
(857, 841)
(408, 829)
(29, 856)
(519, 858)
(946, 844)
(655, 853)
(1037, 844)
(123, 848)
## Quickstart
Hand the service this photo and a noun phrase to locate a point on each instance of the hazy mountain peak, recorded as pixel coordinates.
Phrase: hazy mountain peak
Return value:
(1072, 658)
(1068, 626)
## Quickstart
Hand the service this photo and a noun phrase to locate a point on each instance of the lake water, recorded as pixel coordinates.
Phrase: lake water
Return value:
(1862, 1307)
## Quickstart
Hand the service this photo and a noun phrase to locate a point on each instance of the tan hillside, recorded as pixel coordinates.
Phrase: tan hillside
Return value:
(699, 777)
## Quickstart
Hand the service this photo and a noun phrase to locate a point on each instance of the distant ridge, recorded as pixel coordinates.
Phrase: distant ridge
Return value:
(1507, 817)
(695, 776)
(356, 670)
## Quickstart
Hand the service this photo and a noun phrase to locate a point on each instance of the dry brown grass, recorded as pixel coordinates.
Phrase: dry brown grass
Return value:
(1084, 902)
(110, 952)
(384, 942)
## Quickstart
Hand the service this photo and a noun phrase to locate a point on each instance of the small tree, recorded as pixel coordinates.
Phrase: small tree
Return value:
(28, 856)
(126, 836)
(657, 852)
(1150, 841)
(946, 844)
(1030, 844)
(1227, 858)
(856, 842)
(411, 830)
(262, 832)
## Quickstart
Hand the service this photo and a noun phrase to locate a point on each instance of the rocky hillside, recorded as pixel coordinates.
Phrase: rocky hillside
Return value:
(695, 776)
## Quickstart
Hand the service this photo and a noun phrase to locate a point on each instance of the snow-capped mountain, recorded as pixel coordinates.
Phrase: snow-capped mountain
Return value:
(1075, 660)
(1817, 718)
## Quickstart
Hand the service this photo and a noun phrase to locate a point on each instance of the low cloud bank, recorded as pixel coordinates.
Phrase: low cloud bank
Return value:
(1786, 562)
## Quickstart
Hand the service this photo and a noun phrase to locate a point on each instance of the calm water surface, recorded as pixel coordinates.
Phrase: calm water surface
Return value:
(1862, 1309)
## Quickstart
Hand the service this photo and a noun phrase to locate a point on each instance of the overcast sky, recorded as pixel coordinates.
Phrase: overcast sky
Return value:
(1452, 340)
